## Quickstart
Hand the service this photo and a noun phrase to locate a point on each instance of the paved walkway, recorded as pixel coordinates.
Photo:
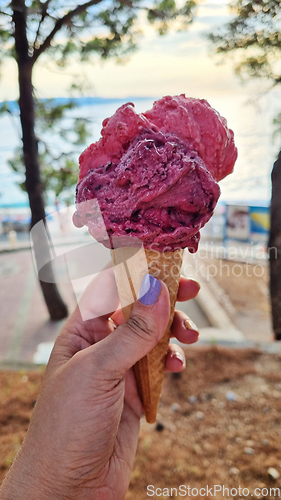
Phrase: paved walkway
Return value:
(24, 316)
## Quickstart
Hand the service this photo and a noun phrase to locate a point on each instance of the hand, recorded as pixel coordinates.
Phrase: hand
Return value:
(83, 435)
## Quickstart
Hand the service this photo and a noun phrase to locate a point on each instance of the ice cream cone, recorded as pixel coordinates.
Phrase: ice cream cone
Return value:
(166, 266)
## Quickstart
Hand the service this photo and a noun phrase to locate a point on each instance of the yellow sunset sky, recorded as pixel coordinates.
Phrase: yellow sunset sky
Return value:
(180, 62)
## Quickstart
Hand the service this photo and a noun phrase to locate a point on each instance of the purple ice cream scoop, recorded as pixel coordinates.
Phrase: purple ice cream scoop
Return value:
(151, 182)
(160, 192)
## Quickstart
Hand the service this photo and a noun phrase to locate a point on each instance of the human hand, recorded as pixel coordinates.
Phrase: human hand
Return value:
(83, 435)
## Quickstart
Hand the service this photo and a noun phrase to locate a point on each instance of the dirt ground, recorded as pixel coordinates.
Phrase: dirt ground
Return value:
(218, 424)
(18, 392)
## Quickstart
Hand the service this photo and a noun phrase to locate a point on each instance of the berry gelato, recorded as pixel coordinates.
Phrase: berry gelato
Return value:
(155, 174)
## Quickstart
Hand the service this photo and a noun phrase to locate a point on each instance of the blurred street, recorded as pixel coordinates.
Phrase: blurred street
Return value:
(24, 317)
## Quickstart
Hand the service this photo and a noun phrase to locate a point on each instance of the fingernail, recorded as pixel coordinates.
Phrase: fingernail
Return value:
(150, 290)
(189, 325)
(178, 355)
(194, 281)
(110, 320)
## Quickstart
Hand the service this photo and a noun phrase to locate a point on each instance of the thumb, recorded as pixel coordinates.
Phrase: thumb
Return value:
(134, 339)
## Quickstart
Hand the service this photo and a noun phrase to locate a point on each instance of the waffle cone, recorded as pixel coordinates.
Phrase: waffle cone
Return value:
(149, 371)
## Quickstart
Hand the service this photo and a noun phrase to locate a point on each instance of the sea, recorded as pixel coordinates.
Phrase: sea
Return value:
(251, 119)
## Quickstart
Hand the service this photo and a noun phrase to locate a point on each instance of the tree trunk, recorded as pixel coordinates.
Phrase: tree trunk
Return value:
(275, 248)
(54, 302)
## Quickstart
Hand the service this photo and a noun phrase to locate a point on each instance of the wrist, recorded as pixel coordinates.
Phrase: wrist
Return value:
(29, 480)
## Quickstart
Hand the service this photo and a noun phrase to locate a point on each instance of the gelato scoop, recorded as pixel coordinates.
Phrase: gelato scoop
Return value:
(155, 174)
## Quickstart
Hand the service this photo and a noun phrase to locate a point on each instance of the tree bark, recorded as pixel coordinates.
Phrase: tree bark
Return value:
(56, 307)
(274, 245)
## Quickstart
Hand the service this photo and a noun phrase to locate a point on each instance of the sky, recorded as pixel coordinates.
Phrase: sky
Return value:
(180, 62)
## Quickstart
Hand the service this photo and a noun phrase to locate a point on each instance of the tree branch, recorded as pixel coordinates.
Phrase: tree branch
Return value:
(126, 2)
(59, 24)
(44, 9)
(5, 14)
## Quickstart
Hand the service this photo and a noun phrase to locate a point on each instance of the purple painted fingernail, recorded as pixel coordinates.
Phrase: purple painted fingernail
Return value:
(150, 289)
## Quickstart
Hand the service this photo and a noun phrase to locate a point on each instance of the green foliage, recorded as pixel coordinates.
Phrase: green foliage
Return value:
(254, 67)
(165, 14)
(6, 32)
(59, 166)
(107, 28)
(254, 36)
(61, 180)
(5, 108)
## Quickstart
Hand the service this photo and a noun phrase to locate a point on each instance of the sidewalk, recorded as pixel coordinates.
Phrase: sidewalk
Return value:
(25, 321)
